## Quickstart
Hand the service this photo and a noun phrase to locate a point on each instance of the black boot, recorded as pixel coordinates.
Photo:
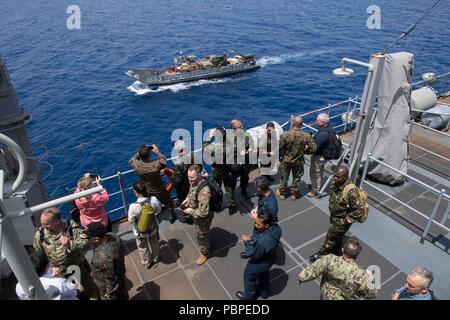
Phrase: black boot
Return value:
(245, 194)
(232, 210)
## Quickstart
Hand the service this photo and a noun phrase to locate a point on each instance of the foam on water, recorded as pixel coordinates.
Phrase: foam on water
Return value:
(268, 60)
(141, 89)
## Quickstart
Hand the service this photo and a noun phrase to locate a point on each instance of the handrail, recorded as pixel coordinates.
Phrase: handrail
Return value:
(352, 103)
(440, 193)
(405, 204)
(119, 175)
(431, 129)
(430, 152)
(423, 184)
(328, 107)
(18, 153)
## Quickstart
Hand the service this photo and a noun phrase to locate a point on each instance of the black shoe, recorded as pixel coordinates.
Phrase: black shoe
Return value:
(245, 195)
(240, 295)
(232, 210)
(243, 256)
(314, 257)
(172, 220)
(189, 220)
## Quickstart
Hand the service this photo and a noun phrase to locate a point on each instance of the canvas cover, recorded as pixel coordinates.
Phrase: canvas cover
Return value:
(388, 140)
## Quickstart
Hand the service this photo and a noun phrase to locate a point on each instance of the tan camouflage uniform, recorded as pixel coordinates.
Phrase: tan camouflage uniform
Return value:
(342, 214)
(341, 279)
(199, 210)
(294, 144)
(150, 174)
(61, 257)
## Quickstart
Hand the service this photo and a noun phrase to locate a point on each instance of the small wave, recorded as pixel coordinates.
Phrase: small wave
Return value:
(141, 89)
(267, 60)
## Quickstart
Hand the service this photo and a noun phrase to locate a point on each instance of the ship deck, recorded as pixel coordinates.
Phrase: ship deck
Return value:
(390, 240)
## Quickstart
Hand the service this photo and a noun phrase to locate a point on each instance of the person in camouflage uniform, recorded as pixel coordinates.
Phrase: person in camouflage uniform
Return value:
(243, 146)
(343, 212)
(197, 205)
(221, 171)
(294, 144)
(108, 263)
(150, 173)
(65, 244)
(342, 278)
(180, 167)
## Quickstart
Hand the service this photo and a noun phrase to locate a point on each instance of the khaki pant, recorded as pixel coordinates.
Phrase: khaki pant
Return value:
(143, 245)
(202, 227)
(316, 172)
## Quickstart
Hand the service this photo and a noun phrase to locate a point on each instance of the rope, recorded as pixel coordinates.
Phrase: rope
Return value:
(414, 25)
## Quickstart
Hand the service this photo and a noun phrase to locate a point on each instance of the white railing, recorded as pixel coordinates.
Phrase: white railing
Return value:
(351, 105)
(440, 193)
(345, 107)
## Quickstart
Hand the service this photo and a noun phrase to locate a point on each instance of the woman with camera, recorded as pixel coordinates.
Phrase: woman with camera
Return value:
(92, 207)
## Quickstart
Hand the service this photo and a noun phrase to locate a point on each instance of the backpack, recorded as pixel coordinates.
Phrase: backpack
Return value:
(215, 203)
(334, 148)
(146, 222)
(362, 195)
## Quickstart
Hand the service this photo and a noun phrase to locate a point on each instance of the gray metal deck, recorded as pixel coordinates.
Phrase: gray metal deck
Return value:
(178, 277)
(390, 239)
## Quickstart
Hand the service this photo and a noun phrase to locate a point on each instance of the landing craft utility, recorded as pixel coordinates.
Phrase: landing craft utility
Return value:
(189, 68)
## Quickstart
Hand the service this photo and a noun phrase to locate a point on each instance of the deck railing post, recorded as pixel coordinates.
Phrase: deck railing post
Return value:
(346, 116)
(433, 214)
(366, 168)
(122, 192)
(446, 214)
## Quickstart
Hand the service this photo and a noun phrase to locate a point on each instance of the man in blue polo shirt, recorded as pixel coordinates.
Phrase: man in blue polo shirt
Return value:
(417, 286)
(266, 199)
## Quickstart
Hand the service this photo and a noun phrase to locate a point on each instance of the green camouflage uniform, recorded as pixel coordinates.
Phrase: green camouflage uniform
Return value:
(241, 166)
(342, 214)
(341, 279)
(150, 174)
(108, 269)
(61, 257)
(199, 210)
(221, 172)
(294, 144)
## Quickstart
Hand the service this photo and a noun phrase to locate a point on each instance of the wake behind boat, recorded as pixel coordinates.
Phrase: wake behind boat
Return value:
(189, 68)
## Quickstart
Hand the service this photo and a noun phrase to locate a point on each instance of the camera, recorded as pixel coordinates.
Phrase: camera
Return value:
(150, 146)
(93, 176)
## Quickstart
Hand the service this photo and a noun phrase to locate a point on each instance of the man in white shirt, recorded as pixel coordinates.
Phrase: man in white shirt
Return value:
(57, 287)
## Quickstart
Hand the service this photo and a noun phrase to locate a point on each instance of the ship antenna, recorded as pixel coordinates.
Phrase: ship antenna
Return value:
(414, 25)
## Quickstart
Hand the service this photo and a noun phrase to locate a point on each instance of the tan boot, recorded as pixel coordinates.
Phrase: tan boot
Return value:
(312, 194)
(201, 259)
(281, 196)
(293, 197)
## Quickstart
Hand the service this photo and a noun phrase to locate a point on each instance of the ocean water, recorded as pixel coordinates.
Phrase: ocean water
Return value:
(88, 116)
